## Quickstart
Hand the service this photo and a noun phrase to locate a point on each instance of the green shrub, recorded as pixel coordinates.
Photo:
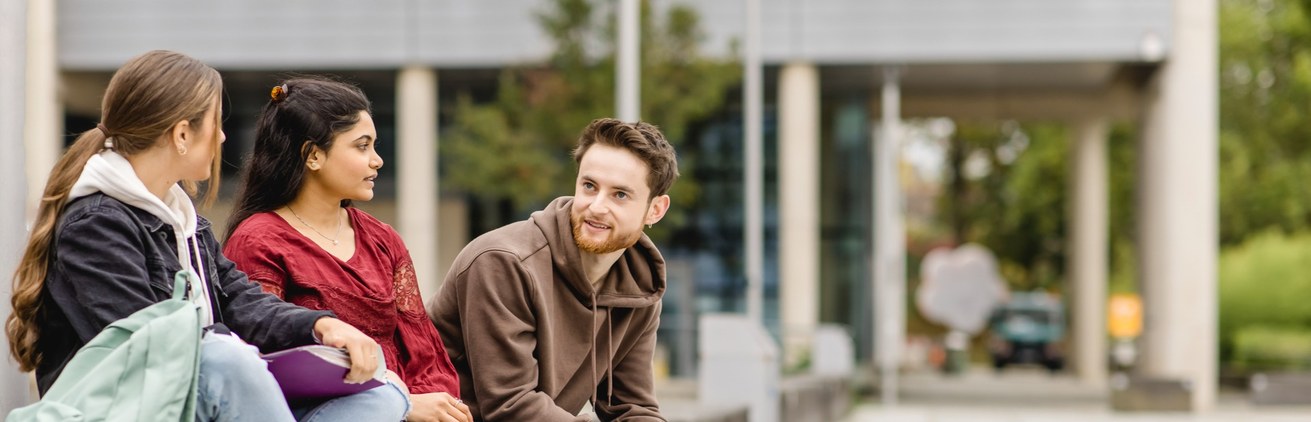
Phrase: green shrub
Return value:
(1265, 289)
(1264, 347)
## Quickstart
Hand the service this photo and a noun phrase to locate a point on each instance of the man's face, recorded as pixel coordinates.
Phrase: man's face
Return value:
(611, 200)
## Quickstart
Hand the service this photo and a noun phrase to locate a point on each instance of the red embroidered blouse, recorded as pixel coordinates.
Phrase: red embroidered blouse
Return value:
(375, 290)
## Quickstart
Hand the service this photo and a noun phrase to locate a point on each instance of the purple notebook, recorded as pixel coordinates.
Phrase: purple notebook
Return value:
(316, 372)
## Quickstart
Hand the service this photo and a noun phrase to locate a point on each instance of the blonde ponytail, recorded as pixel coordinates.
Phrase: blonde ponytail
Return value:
(30, 279)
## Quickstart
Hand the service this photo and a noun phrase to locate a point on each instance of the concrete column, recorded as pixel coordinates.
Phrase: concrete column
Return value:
(13, 236)
(416, 171)
(1088, 262)
(798, 202)
(44, 118)
(889, 234)
(454, 229)
(753, 168)
(628, 66)
(1177, 207)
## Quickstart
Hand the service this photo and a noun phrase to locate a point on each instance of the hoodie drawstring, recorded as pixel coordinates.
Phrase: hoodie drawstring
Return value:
(609, 348)
(188, 248)
(592, 334)
(207, 289)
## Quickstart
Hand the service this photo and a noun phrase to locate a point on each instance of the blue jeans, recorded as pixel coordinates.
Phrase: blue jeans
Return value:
(385, 403)
(235, 386)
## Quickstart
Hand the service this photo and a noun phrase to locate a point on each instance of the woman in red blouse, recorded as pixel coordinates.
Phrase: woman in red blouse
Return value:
(295, 232)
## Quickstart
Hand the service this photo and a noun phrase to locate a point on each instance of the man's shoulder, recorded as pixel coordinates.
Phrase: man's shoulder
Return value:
(512, 255)
(520, 240)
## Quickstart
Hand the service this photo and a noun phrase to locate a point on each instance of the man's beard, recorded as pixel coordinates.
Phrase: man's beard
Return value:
(610, 244)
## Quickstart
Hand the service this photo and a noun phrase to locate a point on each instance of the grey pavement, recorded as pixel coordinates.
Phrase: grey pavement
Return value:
(1030, 395)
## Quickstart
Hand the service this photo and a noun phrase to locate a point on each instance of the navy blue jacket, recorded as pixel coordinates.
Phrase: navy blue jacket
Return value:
(110, 259)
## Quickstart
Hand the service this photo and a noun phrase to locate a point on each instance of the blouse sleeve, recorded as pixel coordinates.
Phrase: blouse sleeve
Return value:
(395, 245)
(261, 263)
(405, 281)
(261, 319)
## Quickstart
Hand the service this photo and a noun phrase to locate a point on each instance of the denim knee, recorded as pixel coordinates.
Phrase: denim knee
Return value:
(385, 403)
(235, 384)
(394, 401)
(221, 351)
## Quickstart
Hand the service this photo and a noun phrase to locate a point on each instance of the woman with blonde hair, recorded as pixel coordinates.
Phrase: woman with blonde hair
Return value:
(115, 223)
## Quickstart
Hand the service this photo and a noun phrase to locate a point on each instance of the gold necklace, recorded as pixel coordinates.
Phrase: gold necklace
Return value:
(302, 221)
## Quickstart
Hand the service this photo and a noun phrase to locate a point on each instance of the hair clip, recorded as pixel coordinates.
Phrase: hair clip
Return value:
(279, 93)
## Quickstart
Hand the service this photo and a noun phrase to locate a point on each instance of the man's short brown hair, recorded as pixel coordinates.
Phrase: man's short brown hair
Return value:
(642, 139)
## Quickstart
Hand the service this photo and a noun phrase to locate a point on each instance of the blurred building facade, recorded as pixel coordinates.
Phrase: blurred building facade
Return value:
(830, 66)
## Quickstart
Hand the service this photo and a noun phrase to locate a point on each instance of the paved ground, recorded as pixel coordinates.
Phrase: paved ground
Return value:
(1032, 395)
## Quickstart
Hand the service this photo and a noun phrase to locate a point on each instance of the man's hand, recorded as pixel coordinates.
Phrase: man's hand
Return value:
(440, 407)
(362, 349)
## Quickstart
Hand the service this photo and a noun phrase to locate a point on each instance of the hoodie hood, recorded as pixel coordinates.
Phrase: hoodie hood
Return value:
(636, 280)
(110, 173)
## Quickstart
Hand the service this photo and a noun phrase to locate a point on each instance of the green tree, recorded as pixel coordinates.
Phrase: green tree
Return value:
(1265, 202)
(515, 151)
(1265, 101)
(1006, 189)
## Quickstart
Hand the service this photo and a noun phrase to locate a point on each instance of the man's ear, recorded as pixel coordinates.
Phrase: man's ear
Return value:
(656, 211)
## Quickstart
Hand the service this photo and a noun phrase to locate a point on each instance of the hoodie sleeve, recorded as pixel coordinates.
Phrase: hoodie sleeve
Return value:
(633, 397)
(499, 333)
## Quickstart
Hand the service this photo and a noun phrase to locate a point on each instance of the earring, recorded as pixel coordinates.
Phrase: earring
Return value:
(314, 166)
(648, 226)
(182, 150)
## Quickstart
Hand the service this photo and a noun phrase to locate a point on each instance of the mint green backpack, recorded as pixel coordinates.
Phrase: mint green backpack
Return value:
(140, 368)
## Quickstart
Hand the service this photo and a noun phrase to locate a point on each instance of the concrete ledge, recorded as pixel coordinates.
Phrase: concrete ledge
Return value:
(691, 411)
(1281, 388)
(814, 398)
(679, 403)
(1141, 394)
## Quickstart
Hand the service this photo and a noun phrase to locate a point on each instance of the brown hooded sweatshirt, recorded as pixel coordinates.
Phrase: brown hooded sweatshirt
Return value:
(533, 340)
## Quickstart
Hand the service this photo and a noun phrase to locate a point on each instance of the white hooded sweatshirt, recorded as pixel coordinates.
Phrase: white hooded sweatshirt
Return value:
(110, 173)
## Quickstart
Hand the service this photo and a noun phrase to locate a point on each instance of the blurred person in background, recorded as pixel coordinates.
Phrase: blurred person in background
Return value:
(544, 315)
(295, 232)
(114, 226)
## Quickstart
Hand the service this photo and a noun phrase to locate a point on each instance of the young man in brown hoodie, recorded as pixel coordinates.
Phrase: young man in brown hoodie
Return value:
(544, 315)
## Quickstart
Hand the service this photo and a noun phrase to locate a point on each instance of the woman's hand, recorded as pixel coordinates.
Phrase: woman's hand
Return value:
(363, 350)
(438, 407)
